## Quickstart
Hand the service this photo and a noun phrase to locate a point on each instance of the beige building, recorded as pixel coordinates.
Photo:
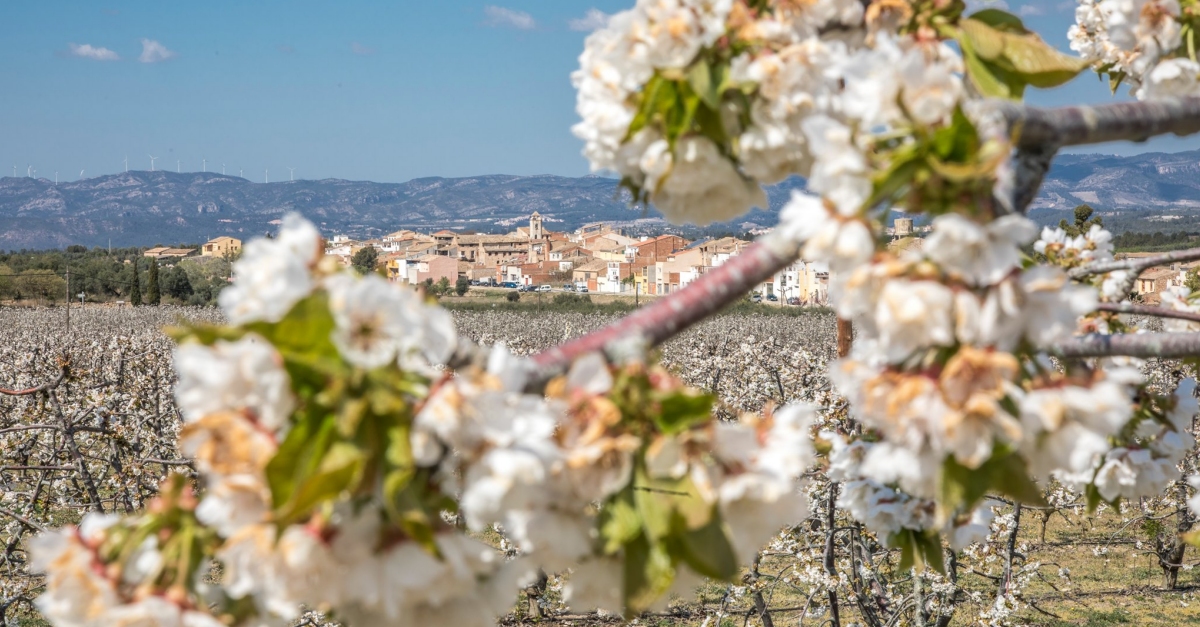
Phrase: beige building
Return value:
(221, 247)
(163, 252)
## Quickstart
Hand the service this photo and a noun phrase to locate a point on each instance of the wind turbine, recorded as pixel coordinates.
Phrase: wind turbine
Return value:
(203, 165)
(29, 172)
(81, 174)
(177, 166)
(126, 163)
(241, 172)
(222, 169)
(56, 177)
(292, 174)
(152, 158)
(267, 175)
(14, 171)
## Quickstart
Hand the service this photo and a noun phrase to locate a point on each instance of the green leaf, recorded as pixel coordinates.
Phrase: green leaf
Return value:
(929, 549)
(619, 522)
(351, 415)
(1006, 54)
(680, 411)
(406, 508)
(701, 79)
(1000, 20)
(653, 504)
(707, 550)
(918, 550)
(337, 473)
(648, 574)
(1012, 479)
(298, 454)
(903, 540)
(305, 330)
(709, 123)
(904, 166)
(1006, 472)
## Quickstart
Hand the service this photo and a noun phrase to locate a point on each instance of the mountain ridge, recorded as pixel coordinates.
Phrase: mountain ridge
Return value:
(142, 208)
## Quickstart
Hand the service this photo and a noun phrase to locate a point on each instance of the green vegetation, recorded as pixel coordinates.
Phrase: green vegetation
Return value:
(1156, 241)
(365, 259)
(153, 295)
(1083, 221)
(135, 290)
(117, 276)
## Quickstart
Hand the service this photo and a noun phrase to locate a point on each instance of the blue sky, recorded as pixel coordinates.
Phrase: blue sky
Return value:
(386, 91)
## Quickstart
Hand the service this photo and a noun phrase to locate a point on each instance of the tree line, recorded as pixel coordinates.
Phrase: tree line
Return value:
(103, 275)
(1132, 240)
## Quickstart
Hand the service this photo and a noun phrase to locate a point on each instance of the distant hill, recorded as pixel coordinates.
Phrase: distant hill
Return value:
(160, 207)
(144, 208)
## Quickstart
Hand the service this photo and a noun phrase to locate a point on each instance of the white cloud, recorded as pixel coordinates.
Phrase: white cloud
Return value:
(976, 5)
(593, 19)
(154, 52)
(88, 51)
(1030, 10)
(361, 50)
(500, 16)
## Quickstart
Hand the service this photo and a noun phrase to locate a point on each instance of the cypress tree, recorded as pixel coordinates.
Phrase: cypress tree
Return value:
(152, 295)
(135, 289)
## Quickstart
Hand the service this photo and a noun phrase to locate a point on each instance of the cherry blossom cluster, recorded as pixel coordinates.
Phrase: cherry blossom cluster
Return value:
(772, 89)
(581, 480)
(1148, 43)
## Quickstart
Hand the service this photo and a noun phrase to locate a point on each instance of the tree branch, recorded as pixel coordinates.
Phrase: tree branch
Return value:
(1143, 310)
(1038, 133)
(1036, 127)
(662, 319)
(1135, 265)
(63, 369)
(24, 521)
(1143, 345)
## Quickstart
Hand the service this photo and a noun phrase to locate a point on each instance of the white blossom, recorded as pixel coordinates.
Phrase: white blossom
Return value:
(273, 274)
(244, 375)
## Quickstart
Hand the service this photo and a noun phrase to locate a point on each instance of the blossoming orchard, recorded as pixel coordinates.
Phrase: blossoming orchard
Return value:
(347, 454)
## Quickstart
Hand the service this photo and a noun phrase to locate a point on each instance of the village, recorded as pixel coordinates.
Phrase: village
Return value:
(600, 259)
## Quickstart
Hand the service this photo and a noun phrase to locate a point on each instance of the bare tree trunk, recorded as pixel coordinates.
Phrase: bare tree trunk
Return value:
(1170, 550)
(534, 595)
(952, 571)
(1010, 551)
(760, 604)
(830, 547)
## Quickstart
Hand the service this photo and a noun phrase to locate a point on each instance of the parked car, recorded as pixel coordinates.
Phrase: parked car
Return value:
(545, 288)
(773, 298)
(529, 288)
(756, 298)
(510, 285)
(793, 300)
(568, 287)
(583, 290)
